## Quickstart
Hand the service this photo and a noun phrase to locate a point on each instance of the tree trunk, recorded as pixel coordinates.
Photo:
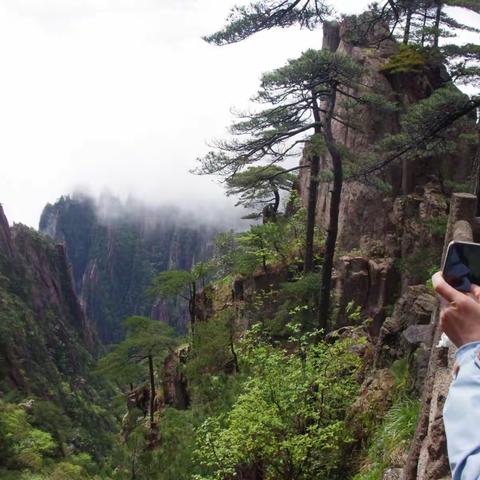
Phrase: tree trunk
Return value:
(408, 24)
(312, 195)
(311, 213)
(193, 306)
(277, 199)
(152, 390)
(234, 354)
(424, 26)
(330, 243)
(134, 472)
(438, 16)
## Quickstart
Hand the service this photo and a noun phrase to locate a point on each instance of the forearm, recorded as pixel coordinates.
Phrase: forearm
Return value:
(462, 415)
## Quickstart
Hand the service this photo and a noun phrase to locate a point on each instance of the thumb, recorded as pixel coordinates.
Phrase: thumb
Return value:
(444, 289)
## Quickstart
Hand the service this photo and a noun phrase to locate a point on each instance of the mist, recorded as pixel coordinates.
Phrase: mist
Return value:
(111, 209)
(123, 96)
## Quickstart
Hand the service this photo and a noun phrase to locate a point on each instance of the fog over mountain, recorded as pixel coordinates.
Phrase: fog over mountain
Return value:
(122, 95)
(116, 248)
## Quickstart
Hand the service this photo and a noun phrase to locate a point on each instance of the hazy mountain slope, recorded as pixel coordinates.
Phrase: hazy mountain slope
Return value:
(47, 347)
(116, 249)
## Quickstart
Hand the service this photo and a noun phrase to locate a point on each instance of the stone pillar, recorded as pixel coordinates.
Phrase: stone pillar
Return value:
(462, 207)
(427, 458)
(462, 231)
(331, 36)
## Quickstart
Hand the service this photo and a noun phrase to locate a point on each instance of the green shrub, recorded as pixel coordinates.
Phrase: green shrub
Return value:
(408, 59)
(21, 445)
(290, 415)
(296, 302)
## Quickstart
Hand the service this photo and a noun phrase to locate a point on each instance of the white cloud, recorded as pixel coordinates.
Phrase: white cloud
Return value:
(121, 95)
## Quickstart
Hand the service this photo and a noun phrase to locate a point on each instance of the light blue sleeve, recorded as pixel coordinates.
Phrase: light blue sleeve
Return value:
(461, 415)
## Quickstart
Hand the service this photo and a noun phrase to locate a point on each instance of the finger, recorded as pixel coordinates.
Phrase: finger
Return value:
(475, 290)
(444, 289)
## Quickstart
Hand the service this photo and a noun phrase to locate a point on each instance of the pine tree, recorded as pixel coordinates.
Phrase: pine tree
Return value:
(147, 341)
(183, 284)
(300, 101)
(303, 97)
(260, 187)
(244, 21)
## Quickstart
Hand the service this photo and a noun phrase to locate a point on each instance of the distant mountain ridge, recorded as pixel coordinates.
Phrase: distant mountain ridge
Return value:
(117, 248)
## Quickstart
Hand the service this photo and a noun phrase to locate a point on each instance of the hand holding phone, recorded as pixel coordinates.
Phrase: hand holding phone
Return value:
(460, 318)
(459, 290)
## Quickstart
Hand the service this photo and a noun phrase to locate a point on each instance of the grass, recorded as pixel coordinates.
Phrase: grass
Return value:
(391, 439)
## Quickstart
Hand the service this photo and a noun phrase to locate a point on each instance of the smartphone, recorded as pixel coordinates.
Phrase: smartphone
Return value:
(462, 265)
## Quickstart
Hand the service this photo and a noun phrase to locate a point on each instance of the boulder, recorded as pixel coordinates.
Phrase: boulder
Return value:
(417, 334)
(407, 330)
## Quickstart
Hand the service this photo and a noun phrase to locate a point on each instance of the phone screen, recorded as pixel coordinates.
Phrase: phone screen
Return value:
(462, 265)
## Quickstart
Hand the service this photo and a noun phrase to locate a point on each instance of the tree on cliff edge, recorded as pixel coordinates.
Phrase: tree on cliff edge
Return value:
(247, 20)
(300, 101)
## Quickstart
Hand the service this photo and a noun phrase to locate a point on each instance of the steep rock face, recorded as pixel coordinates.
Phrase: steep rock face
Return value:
(374, 276)
(116, 249)
(365, 211)
(403, 228)
(213, 299)
(47, 345)
(6, 246)
(370, 284)
(43, 326)
(174, 381)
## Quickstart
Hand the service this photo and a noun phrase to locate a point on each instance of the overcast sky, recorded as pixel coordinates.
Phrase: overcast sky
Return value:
(122, 95)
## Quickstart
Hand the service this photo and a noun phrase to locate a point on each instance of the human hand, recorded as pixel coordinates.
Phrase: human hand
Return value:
(460, 319)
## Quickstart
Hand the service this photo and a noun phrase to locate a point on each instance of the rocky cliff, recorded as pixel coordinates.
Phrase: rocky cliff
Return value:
(389, 242)
(377, 218)
(368, 215)
(117, 248)
(47, 345)
(389, 237)
(38, 293)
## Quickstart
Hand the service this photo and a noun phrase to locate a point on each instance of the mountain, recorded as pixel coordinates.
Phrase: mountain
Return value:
(50, 400)
(117, 248)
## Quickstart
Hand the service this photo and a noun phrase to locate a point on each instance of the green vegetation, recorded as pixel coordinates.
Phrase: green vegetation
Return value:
(408, 59)
(182, 284)
(260, 188)
(244, 21)
(389, 443)
(28, 453)
(54, 410)
(147, 342)
(265, 390)
(22, 445)
(289, 418)
(283, 410)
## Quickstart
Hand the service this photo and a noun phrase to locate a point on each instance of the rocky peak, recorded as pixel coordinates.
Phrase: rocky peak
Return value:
(6, 246)
(365, 210)
(44, 331)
